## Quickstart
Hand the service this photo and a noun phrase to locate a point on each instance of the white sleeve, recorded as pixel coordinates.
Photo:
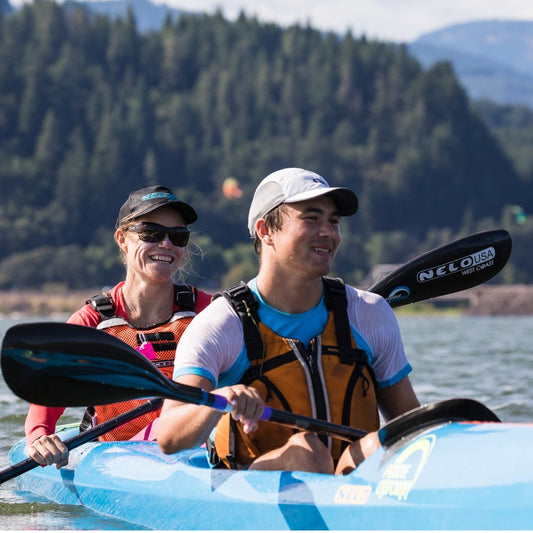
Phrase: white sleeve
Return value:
(211, 343)
(373, 317)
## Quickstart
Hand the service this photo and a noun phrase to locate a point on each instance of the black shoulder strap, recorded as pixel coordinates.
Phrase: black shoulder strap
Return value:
(243, 301)
(103, 304)
(185, 297)
(245, 305)
(335, 300)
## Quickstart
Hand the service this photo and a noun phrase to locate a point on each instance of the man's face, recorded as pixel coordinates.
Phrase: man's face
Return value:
(309, 236)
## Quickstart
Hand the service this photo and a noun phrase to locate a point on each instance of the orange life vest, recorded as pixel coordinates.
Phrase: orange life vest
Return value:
(163, 339)
(330, 379)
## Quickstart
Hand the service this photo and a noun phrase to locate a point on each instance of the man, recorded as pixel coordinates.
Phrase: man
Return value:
(293, 339)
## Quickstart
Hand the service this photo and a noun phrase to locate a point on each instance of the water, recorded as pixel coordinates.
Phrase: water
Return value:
(25, 511)
(489, 359)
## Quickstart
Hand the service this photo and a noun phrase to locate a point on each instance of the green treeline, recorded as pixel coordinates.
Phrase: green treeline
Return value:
(91, 109)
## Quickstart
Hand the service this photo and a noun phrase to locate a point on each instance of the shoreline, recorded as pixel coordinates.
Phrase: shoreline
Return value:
(43, 303)
(485, 300)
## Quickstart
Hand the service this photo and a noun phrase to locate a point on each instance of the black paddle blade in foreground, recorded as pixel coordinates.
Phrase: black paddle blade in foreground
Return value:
(457, 266)
(57, 365)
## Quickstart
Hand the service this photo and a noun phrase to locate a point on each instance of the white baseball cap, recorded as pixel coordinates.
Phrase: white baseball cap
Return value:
(290, 185)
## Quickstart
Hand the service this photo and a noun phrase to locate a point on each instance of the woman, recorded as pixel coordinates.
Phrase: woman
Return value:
(147, 310)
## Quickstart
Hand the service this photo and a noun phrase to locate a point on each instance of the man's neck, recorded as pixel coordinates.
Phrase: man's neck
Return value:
(290, 294)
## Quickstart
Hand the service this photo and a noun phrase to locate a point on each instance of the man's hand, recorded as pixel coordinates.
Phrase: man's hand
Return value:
(247, 405)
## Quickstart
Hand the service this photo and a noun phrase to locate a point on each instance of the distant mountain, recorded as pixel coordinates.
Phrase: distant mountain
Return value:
(492, 59)
(148, 16)
(6, 7)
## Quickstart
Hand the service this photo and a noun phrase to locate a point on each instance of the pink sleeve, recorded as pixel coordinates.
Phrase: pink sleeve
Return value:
(203, 299)
(41, 421)
(86, 316)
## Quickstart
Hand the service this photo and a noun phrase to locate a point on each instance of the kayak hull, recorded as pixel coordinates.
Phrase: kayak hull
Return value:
(453, 476)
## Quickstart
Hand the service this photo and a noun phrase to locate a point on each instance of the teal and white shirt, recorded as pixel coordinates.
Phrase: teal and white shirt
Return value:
(212, 346)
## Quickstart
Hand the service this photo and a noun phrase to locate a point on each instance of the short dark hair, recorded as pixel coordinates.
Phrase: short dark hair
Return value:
(273, 221)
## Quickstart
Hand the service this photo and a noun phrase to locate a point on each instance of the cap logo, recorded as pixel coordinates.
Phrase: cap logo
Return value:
(154, 195)
(320, 180)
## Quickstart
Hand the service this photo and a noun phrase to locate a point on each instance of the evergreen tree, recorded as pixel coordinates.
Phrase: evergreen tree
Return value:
(91, 109)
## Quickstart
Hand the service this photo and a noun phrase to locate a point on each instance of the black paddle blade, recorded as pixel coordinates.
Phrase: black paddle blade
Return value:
(457, 266)
(65, 365)
(58, 365)
(454, 410)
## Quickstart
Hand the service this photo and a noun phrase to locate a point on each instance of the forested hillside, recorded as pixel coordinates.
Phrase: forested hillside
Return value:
(91, 109)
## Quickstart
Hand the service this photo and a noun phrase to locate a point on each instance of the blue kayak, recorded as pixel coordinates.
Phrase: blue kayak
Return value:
(459, 475)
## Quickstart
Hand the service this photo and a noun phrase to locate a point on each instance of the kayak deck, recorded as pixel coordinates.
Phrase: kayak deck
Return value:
(453, 476)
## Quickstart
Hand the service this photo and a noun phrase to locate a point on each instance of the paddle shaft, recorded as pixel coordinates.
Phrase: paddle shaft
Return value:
(44, 363)
(455, 266)
(85, 436)
(189, 394)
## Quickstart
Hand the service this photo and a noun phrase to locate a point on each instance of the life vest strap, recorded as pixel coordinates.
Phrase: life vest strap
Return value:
(336, 301)
(245, 305)
(155, 336)
(184, 296)
(103, 304)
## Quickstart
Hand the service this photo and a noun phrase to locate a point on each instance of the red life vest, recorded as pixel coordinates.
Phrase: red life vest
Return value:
(162, 339)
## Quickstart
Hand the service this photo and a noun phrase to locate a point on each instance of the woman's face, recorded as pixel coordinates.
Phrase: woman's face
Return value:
(152, 261)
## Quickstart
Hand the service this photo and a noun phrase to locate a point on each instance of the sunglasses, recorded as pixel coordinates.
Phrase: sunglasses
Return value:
(151, 232)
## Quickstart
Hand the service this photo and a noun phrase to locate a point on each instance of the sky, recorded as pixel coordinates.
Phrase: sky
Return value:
(390, 20)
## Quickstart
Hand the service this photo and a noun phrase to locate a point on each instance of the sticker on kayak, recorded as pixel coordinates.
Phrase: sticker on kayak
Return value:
(353, 494)
(400, 476)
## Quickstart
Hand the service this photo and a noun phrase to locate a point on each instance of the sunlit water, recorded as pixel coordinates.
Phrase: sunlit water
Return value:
(20, 510)
(489, 359)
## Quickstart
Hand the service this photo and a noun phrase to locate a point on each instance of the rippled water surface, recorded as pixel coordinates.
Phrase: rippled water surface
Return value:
(489, 359)
(19, 510)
